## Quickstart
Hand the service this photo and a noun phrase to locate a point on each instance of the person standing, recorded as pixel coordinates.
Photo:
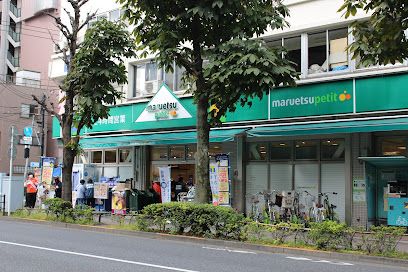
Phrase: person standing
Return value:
(58, 187)
(80, 191)
(89, 193)
(157, 189)
(31, 188)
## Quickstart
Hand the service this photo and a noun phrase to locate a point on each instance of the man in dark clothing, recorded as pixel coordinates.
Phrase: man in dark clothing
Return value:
(58, 187)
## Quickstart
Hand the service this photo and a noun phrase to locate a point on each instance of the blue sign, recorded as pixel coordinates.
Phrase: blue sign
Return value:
(28, 131)
(35, 164)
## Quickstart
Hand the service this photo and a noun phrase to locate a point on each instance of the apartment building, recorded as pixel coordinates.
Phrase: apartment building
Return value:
(343, 129)
(26, 44)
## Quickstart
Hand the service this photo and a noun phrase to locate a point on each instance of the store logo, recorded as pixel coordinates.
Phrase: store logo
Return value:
(331, 97)
(163, 106)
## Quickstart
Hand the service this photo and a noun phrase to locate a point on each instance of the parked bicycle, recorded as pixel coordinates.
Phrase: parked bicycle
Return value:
(328, 207)
(256, 211)
(316, 211)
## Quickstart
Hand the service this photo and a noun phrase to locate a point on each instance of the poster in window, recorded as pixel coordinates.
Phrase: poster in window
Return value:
(223, 179)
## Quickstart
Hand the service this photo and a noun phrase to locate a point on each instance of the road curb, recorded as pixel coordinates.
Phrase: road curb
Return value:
(224, 243)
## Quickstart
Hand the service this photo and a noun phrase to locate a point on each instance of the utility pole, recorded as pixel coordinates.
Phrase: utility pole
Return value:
(42, 126)
(12, 146)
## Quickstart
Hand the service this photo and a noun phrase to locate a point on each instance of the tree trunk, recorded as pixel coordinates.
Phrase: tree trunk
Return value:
(68, 156)
(202, 160)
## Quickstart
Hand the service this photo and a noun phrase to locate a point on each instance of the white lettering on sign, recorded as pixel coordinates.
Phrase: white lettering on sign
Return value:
(114, 119)
(163, 106)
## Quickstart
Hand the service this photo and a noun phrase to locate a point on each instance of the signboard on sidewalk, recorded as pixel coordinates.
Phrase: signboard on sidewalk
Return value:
(101, 190)
(165, 184)
(214, 182)
(223, 179)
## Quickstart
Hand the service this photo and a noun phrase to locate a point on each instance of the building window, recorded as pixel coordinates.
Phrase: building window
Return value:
(258, 151)
(393, 146)
(280, 151)
(148, 78)
(159, 153)
(214, 149)
(306, 150)
(317, 53)
(125, 155)
(338, 53)
(177, 152)
(110, 156)
(191, 151)
(27, 110)
(332, 149)
(96, 156)
(293, 46)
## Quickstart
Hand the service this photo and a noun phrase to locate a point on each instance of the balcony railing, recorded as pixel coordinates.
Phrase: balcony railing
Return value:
(15, 10)
(13, 60)
(14, 35)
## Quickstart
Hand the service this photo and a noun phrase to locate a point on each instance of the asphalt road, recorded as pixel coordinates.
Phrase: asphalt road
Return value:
(33, 247)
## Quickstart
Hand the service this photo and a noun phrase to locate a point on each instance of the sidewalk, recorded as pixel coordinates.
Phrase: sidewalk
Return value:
(223, 243)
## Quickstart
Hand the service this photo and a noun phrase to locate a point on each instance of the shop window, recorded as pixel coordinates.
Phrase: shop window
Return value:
(293, 47)
(177, 152)
(338, 53)
(280, 151)
(191, 151)
(274, 44)
(306, 150)
(258, 151)
(180, 71)
(393, 146)
(332, 149)
(82, 158)
(110, 156)
(214, 150)
(96, 156)
(317, 53)
(159, 153)
(125, 155)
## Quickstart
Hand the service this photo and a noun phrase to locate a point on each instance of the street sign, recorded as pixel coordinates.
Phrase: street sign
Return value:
(34, 164)
(28, 131)
(25, 140)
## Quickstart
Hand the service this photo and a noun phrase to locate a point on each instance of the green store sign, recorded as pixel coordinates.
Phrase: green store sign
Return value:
(310, 100)
(166, 111)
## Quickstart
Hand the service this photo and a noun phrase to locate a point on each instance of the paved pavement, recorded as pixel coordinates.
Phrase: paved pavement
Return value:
(33, 247)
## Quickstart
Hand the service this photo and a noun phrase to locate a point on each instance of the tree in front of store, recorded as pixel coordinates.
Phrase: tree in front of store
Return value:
(381, 39)
(217, 44)
(94, 66)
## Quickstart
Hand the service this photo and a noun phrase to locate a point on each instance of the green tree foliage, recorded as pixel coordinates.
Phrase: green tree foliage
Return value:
(93, 66)
(381, 38)
(97, 66)
(238, 68)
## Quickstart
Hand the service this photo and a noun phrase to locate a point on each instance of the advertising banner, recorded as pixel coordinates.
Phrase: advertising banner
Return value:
(214, 182)
(119, 202)
(101, 190)
(165, 184)
(223, 179)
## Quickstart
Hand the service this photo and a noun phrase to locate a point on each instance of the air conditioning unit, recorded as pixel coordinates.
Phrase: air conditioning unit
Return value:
(153, 86)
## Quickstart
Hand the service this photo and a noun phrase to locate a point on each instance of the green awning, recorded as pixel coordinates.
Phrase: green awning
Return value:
(394, 161)
(170, 138)
(330, 127)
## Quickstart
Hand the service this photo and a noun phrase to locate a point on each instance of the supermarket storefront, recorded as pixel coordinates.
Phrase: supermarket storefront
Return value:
(317, 137)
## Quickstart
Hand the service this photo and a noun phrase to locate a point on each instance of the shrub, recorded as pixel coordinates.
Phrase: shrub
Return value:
(381, 239)
(59, 207)
(329, 235)
(203, 220)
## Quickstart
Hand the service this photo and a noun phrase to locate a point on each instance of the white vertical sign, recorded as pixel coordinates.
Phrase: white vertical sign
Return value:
(214, 182)
(165, 184)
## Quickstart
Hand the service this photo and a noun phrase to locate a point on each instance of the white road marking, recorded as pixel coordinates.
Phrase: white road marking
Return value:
(318, 261)
(299, 258)
(98, 257)
(230, 250)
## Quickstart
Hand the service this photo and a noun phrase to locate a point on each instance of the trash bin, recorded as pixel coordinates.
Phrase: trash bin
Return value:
(133, 198)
